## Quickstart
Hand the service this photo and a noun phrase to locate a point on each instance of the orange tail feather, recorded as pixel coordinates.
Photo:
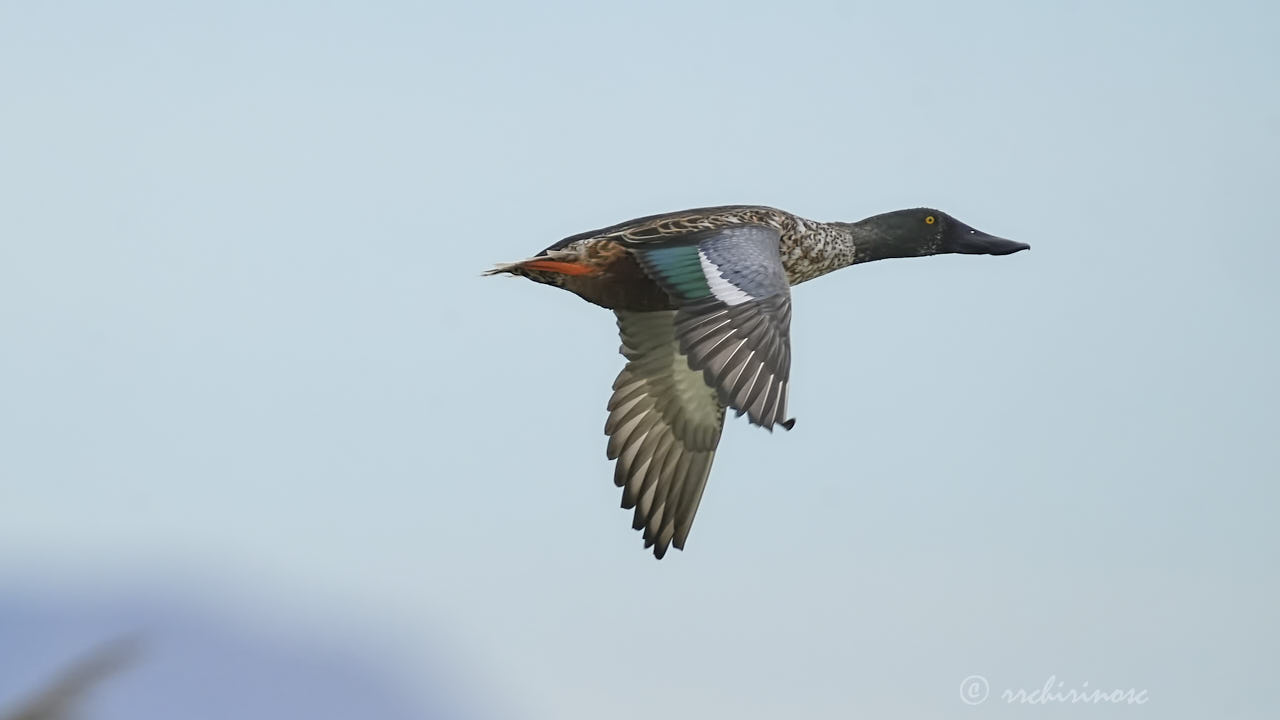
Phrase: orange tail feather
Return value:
(557, 266)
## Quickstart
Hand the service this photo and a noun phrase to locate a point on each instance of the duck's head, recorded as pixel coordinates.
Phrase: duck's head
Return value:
(925, 231)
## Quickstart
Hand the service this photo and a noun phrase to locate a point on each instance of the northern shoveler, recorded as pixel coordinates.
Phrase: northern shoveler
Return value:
(703, 303)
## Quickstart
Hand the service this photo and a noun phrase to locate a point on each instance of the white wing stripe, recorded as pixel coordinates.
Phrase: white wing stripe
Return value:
(725, 291)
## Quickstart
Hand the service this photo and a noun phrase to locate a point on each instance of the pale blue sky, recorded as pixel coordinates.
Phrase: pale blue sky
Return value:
(245, 348)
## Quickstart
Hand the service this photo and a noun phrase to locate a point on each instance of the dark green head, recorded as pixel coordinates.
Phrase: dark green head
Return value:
(924, 231)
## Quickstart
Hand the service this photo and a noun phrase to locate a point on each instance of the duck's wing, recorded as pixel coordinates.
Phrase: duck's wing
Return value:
(734, 316)
(664, 425)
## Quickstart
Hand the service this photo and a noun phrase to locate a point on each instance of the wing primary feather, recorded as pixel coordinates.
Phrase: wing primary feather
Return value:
(664, 424)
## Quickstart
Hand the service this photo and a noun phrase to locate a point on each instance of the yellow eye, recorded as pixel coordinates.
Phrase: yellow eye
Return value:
(930, 220)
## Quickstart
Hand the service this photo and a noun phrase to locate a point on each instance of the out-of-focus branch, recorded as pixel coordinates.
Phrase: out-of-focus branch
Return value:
(59, 700)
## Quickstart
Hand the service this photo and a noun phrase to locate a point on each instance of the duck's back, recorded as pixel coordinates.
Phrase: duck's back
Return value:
(653, 228)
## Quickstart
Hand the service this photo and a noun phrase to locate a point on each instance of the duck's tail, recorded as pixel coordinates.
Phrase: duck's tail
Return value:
(500, 268)
(543, 268)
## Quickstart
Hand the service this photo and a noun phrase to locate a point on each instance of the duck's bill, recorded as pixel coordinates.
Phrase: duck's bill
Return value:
(967, 240)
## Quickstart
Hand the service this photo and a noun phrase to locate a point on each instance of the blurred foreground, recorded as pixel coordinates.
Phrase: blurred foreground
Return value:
(61, 698)
(67, 657)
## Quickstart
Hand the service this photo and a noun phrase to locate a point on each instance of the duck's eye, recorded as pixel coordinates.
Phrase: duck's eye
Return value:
(930, 220)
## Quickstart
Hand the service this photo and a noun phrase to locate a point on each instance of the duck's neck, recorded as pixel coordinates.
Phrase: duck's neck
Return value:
(873, 243)
(819, 248)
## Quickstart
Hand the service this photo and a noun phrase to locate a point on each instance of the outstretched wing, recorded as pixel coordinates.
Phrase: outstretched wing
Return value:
(664, 425)
(734, 316)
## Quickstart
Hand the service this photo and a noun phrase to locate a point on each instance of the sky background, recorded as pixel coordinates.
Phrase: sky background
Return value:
(248, 364)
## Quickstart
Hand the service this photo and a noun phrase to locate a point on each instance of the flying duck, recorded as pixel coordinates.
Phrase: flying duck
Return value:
(703, 301)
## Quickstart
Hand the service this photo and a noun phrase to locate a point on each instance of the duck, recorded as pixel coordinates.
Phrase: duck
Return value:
(703, 305)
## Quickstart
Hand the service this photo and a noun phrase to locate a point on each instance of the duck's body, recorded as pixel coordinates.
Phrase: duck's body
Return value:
(603, 270)
(704, 309)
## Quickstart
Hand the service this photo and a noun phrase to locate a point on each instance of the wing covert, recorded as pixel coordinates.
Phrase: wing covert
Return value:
(734, 316)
